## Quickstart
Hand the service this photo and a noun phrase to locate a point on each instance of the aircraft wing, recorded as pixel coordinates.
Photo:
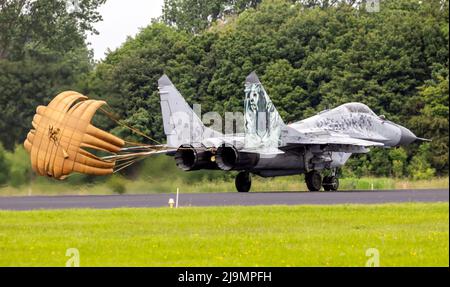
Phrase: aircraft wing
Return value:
(339, 141)
(322, 137)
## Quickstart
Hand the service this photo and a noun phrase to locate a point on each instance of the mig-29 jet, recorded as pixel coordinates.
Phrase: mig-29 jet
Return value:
(268, 147)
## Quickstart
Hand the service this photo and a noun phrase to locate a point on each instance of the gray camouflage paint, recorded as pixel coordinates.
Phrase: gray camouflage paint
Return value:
(323, 141)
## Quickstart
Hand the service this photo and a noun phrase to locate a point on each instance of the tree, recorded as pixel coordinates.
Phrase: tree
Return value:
(4, 166)
(29, 25)
(432, 120)
(20, 168)
(398, 157)
(42, 52)
(420, 167)
(310, 55)
(195, 16)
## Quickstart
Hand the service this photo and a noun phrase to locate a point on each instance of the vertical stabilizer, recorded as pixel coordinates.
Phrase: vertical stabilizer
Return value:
(263, 124)
(181, 125)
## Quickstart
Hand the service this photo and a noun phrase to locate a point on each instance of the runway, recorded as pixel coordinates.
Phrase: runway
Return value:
(224, 199)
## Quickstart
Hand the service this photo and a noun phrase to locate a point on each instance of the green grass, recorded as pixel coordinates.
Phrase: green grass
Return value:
(404, 234)
(158, 185)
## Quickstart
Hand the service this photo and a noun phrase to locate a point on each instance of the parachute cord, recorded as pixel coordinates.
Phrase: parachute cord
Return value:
(124, 165)
(117, 121)
(127, 164)
(137, 144)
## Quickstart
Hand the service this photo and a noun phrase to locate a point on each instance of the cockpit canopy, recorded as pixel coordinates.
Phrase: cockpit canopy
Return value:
(350, 108)
(358, 108)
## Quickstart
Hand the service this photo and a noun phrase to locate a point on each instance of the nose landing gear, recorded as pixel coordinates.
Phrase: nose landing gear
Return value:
(243, 182)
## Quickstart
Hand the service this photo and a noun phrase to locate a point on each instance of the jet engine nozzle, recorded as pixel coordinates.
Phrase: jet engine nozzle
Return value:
(189, 158)
(229, 158)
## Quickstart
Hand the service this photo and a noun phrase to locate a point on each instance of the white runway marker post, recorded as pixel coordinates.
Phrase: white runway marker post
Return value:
(178, 193)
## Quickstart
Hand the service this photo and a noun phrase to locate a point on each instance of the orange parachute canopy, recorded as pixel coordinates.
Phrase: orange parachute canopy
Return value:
(62, 133)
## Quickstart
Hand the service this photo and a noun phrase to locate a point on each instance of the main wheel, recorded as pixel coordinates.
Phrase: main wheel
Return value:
(330, 183)
(313, 180)
(243, 182)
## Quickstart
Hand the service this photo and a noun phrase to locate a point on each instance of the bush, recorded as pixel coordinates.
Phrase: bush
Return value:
(420, 167)
(117, 184)
(4, 166)
(398, 157)
(20, 167)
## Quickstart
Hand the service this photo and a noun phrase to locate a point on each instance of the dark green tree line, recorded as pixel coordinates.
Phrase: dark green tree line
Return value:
(197, 15)
(42, 52)
(311, 55)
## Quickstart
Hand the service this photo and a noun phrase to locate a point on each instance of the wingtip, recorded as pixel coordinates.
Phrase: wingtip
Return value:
(164, 81)
(252, 78)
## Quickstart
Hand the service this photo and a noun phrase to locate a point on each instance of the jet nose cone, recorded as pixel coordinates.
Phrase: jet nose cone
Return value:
(407, 137)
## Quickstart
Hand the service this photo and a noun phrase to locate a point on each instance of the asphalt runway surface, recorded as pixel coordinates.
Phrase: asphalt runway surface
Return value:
(224, 199)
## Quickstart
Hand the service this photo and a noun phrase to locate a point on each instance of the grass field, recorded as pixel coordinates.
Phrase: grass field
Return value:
(151, 185)
(404, 234)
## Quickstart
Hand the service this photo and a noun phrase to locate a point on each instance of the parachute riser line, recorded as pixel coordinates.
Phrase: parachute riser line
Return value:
(119, 122)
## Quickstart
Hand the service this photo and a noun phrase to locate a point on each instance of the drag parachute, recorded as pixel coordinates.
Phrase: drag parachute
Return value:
(62, 134)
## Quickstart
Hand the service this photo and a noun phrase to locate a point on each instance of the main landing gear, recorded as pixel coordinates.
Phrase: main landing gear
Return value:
(330, 183)
(243, 182)
(314, 181)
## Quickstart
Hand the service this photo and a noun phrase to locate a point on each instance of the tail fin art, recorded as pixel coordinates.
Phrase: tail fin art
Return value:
(263, 124)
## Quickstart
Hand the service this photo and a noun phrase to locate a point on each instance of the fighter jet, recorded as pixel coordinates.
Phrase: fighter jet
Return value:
(268, 147)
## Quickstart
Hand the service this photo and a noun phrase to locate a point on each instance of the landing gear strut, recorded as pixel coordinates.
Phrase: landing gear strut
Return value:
(313, 180)
(243, 182)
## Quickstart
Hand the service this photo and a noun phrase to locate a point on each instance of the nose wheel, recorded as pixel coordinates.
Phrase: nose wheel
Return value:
(243, 182)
